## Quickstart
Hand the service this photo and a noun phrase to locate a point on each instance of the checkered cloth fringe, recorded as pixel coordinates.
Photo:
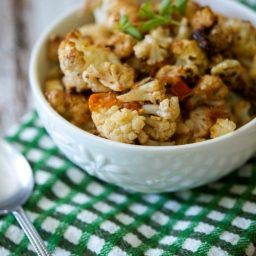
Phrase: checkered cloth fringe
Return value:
(79, 215)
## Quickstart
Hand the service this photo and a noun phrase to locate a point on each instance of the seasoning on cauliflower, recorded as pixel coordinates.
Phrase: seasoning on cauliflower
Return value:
(155, 46)
(168, 108)
(222, 127)
(146, 90)
(190, 55)
(209, 90)
(122, 44)
(159, 129)
(117, 77)
(75, 55)
(114, 122)
(204, 18)
(73, 107)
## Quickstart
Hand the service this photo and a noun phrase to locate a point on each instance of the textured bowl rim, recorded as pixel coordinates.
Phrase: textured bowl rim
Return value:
(37, 91)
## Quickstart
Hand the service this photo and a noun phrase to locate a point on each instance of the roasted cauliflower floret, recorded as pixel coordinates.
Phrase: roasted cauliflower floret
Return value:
(159, 129)
(244, 38)
(73, 107)
(155, 46)
(52, 48)
(113, 121)
(168, 109)
(117, 77)
(190, 55)
(75, 55)
(109, 12)
(242, 112)
(204, 18)
(228, 69)
(202, 119)
(122, 44)
(146, 90)
(222, 127)
(210, 90)
(97, 34)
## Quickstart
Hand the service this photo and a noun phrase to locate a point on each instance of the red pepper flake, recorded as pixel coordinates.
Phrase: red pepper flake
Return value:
(180, 89)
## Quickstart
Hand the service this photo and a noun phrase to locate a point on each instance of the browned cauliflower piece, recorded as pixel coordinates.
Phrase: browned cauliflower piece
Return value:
(168, 108)
(222, 127)
(242, 112)
(75, 55)
(73, 107)
(52, 48)
(117, 77)
(146, 90)
(155, 46)
(190, 55)
(244, 38)
(204, 18)
(97, 34)
(210, 90)
(202, 119)
(122, 44)
(159, 129)
(166, 74)
(191, 9)
(114, 121)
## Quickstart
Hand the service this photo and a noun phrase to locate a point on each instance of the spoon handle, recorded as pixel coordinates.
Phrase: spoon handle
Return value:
(31, 232)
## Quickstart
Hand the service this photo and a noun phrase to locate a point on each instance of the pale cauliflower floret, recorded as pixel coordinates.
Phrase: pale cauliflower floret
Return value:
(146, 90)
(154, 48)
(117, 77)
(109, 12)
(98, 34)
(168, 109)
(222, 127)
(159, 129)
(75, 55)
(189, 54)
(122, 44)
(123, 125)
(210, 90)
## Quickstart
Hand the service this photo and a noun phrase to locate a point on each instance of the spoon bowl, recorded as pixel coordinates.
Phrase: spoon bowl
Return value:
(16, 181)
(16, 186)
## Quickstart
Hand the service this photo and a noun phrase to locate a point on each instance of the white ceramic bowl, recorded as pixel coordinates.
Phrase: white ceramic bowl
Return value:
(140, 168)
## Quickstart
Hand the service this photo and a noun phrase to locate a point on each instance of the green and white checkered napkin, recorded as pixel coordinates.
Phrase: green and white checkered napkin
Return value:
(79, 215)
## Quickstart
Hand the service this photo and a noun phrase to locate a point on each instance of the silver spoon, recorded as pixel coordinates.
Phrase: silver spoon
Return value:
(16, 186)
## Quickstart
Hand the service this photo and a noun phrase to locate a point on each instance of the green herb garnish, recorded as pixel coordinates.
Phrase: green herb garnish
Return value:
(127, 27)
(150, 19)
